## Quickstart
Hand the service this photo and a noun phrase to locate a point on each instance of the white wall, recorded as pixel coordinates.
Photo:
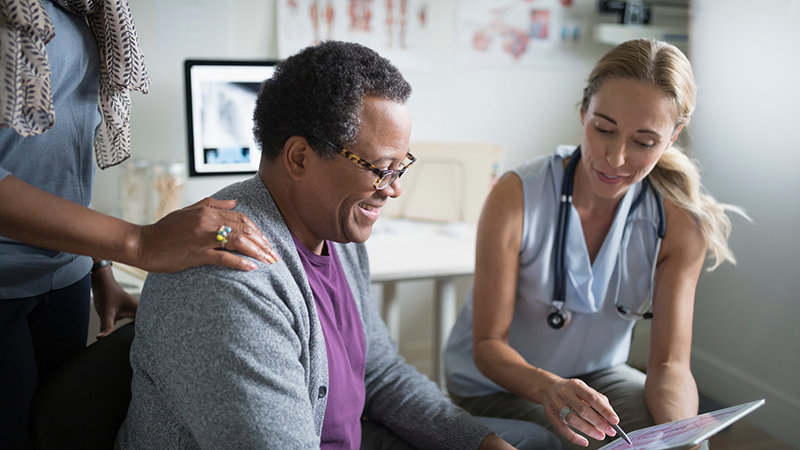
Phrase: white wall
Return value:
(746, 57)
(528, 112)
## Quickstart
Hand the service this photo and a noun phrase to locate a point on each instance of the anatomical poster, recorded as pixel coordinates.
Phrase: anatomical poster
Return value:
(520, 33)
(397, 29)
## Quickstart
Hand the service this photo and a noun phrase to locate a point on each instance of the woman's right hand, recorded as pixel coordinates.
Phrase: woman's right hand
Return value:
(187, 237)
(592, 410)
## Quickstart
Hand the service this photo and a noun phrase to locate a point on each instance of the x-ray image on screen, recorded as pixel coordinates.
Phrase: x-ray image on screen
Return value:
(221, 97)
(227, 118)
(227, 155)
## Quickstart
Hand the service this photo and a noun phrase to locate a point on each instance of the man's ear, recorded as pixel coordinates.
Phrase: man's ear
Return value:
(295, 156)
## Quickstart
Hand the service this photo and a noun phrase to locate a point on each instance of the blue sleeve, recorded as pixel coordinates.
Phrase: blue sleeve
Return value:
(7, 135)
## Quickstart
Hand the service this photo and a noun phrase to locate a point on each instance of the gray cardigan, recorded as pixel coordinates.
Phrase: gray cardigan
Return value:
(231, 359)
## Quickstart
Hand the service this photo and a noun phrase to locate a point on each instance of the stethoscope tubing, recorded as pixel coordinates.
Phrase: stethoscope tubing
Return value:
(567, 187)
(560, 317)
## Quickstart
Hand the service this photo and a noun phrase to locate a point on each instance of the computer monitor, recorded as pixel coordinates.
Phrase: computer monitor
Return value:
(220, 98)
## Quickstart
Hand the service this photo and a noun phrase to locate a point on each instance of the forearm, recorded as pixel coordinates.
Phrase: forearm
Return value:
(183, 238)
(670, 388)
(494, 442)
(499, 362)
(33, 216)
(111, 301)
(671, 392)
(407, 402)
(103, 276)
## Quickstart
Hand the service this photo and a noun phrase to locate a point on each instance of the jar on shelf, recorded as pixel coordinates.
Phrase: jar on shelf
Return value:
(168, 181)
(136, 191)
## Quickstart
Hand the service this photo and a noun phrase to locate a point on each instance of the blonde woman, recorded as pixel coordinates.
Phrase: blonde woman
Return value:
(569, 255)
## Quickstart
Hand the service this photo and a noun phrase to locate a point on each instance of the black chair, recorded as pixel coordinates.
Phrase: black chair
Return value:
(82, 404)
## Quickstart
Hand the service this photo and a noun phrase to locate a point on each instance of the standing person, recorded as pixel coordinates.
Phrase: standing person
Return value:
(545, 331)
(294, 355)
(53, 74)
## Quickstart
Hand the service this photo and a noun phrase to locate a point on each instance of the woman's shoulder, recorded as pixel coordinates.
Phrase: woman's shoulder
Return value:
(541, 165)
(684, 238)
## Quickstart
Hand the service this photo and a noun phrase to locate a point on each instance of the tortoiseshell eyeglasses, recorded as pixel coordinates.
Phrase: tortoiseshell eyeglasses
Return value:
(385, 176)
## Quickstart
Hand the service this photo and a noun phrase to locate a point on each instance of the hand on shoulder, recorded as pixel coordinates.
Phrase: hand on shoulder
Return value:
(189, 237)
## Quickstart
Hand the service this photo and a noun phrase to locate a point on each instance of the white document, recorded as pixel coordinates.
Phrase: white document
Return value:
(684, 433)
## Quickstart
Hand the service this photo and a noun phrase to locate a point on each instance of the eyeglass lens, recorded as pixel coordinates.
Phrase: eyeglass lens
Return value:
(387, 179)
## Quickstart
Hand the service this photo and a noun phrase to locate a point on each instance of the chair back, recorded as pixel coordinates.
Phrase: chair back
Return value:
(82, 404)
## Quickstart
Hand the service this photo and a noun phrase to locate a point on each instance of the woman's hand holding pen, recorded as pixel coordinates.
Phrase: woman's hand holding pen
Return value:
(591, 413)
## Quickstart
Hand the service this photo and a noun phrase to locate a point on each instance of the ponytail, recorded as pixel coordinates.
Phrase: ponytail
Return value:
(677, 178)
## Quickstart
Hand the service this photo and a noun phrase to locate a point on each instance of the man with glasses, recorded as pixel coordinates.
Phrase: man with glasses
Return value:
(294, 355)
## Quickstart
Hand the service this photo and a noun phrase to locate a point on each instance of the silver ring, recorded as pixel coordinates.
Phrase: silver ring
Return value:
(564, 413)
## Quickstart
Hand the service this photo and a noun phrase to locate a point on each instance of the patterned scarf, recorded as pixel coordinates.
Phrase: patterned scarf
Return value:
(26, 102)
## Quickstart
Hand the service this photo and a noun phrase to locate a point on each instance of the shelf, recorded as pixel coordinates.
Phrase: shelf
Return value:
(615, 33)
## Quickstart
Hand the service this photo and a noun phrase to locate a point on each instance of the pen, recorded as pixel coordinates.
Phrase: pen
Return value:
(616, 428)
(620, 432)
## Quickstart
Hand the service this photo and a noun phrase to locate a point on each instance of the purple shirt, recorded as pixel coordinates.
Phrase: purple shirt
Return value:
(344, 343)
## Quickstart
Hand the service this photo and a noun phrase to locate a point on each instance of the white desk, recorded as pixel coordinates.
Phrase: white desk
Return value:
(401, 250)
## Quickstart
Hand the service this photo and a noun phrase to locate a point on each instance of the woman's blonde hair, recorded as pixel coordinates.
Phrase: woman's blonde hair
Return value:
(676, 176)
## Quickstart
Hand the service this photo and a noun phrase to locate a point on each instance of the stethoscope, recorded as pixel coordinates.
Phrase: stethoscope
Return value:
(561, 317)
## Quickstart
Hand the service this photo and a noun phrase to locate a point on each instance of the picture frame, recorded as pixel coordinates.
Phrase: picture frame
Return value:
(220, 99)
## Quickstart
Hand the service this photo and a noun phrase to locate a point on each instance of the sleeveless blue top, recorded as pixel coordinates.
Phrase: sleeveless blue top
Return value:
(597, 338)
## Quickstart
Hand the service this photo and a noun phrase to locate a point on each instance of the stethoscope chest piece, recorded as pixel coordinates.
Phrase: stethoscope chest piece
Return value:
(559, 319)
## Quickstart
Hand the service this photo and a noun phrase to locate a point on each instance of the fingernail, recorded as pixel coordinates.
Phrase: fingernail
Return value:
(270, 259)
(251, 265)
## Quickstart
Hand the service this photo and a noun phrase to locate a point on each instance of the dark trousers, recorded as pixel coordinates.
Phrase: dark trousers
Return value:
(37, 334)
